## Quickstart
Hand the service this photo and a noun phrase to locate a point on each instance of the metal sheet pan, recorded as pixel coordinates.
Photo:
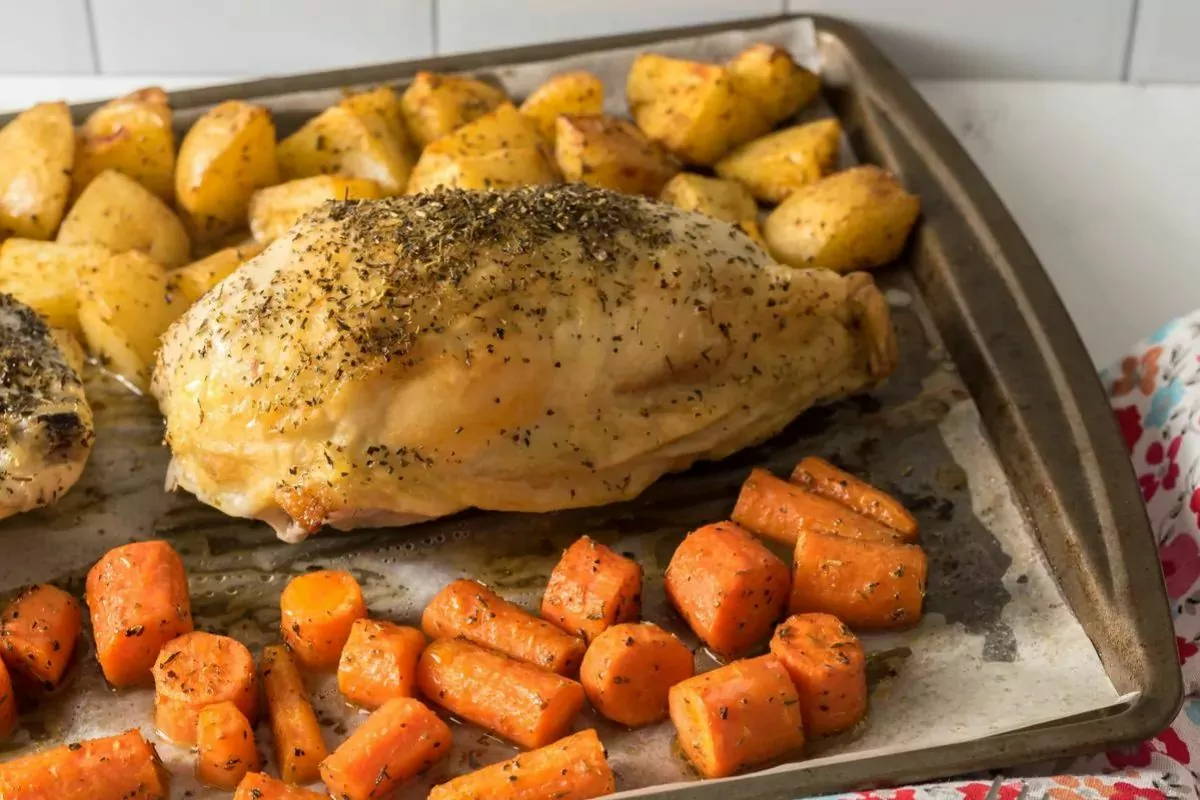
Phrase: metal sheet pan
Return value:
(981, 295)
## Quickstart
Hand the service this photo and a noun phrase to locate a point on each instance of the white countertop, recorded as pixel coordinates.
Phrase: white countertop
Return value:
(1104, 179)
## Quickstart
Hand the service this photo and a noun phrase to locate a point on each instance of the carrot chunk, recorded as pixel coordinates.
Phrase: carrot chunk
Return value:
(828, 667)
(520, 702)
(629, 670)
(318, 610)
(257, 786)
(8, 704)
(299, 747)
(471, 610)
(779, 510)
(138, 598)
(400, 740)
(574, 768)
(38, 631)
(728, 587)
(591, 589)
(864, 584)
(198, 670)
(737, 716)
(823, 478)
(379, 662)
(123, 767)
(225, 746)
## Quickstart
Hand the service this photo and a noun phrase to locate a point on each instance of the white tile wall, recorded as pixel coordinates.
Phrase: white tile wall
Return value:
(1166, 43)
(42, 36)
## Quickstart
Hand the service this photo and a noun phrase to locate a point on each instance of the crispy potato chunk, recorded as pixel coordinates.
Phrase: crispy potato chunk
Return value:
(277, 208)
(45, 276)
(718, 198)
(612, 154)
(778, 85)
(117, 212)
(133, 136)
(193, 281)
(565, 93)
(776, 165)
(37, 154)
(436, 105)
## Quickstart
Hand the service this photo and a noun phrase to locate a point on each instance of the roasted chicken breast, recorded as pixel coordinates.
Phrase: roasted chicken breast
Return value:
(46, 429)
(392, 361)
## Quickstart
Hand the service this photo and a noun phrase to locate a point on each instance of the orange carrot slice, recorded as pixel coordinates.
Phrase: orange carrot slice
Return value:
(257, 786)
(398, 741)
(123, 767)
(591, 589)
(38, 631)
(829, 669)
(864, 584)
(318, 610)
(138, 598)
(728, 586)
(823, 478)
(574, 768)
(737, 716)
(379, 662)
(520, 702)
(629, 670)
(471, 610)
(779, 510)
(299, 747)
(197, 670)
(8, 704)
(225, 746)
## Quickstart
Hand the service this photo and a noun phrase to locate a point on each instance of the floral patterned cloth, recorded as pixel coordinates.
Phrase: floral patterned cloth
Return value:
(1155, 393)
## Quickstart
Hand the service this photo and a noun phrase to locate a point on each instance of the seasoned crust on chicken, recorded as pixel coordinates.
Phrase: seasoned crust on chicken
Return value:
(393, 361)
(46, 429)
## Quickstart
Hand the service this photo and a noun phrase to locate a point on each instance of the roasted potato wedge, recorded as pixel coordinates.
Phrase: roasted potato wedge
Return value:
(852, 220)
(194, 280)
(118, 213)
(565, 93)
(384, 101)
(124, 307)
(612, 154)
(716, 197)
(45, 275)
(499, 150)
(37, 154)
(437, 105)
(776, 165)
(226, 156)
(358, 138)
(277, 208)
(778, 86)
(132, 135)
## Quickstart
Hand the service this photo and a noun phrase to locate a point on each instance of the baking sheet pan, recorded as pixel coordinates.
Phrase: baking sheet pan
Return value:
(1032, 554)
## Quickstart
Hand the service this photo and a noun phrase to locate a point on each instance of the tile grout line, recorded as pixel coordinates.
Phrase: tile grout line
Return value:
(1130, 41)
(433, 26)
(93, 39)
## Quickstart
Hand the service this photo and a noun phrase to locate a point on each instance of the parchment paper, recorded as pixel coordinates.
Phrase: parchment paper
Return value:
(998, 649)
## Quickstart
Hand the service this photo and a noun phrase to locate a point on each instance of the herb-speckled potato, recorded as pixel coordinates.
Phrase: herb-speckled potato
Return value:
(612, 154)
(565, 93)
(275, 209)
(776, 165)
(118, 213)
(44, 276)
(437, 105)
(716, 197)
(191, 282)
(778, 85)
(856, 219)
(227, 155)
(132, 135)
(503, 149)
(37, 153)
(124, 307)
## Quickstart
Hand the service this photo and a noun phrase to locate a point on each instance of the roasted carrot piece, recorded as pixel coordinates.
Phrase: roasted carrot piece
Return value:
(629, 670)
(379, 662)
(520, 702)
(299, 747)
(8, 704)
(471, 610)
(728, 586)
(591, 589)
(318, 609)
(779, 510)
(123, 767)
(864, 584)
(820, 477)
(198, 670)
(574, 768)
(400, 740)
(138, 598)
(737, 716)
(225, 749)
(38, 631)
(828, 668)
(257, 786)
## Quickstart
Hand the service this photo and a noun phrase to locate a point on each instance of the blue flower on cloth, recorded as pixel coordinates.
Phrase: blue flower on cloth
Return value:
(1162, 333)
(1164, 400)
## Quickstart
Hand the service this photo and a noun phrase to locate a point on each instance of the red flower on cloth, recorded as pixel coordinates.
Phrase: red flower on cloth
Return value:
(1123, 790)
(1129, 419)
(1180, 557)
(979, 791)
(1166, 473)
(1167, 742)
(1186, 649)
